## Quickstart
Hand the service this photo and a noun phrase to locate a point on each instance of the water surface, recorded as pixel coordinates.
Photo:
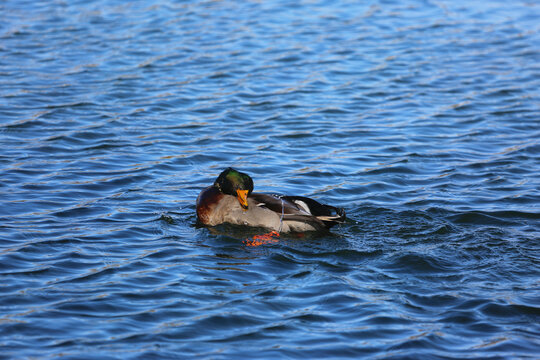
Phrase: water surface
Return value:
(421, 119)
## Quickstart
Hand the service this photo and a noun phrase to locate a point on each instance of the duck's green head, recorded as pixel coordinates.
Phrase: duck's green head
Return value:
(235, 183)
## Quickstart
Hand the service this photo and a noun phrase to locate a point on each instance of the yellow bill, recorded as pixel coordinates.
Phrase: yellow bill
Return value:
(242, 198)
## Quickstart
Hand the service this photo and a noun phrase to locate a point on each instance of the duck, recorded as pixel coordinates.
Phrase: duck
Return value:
(231, 200)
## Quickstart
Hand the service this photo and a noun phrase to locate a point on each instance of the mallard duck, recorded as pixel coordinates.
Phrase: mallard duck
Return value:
(231, 200)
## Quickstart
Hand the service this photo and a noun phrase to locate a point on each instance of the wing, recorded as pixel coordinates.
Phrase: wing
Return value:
(301, 208)
(278, 204)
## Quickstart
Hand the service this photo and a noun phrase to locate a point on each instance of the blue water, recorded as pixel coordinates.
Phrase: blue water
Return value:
(420, 118)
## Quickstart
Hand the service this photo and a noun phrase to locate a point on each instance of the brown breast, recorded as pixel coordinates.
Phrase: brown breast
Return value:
(206, 202)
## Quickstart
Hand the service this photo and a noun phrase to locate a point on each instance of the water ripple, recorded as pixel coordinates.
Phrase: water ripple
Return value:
(420, 119)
